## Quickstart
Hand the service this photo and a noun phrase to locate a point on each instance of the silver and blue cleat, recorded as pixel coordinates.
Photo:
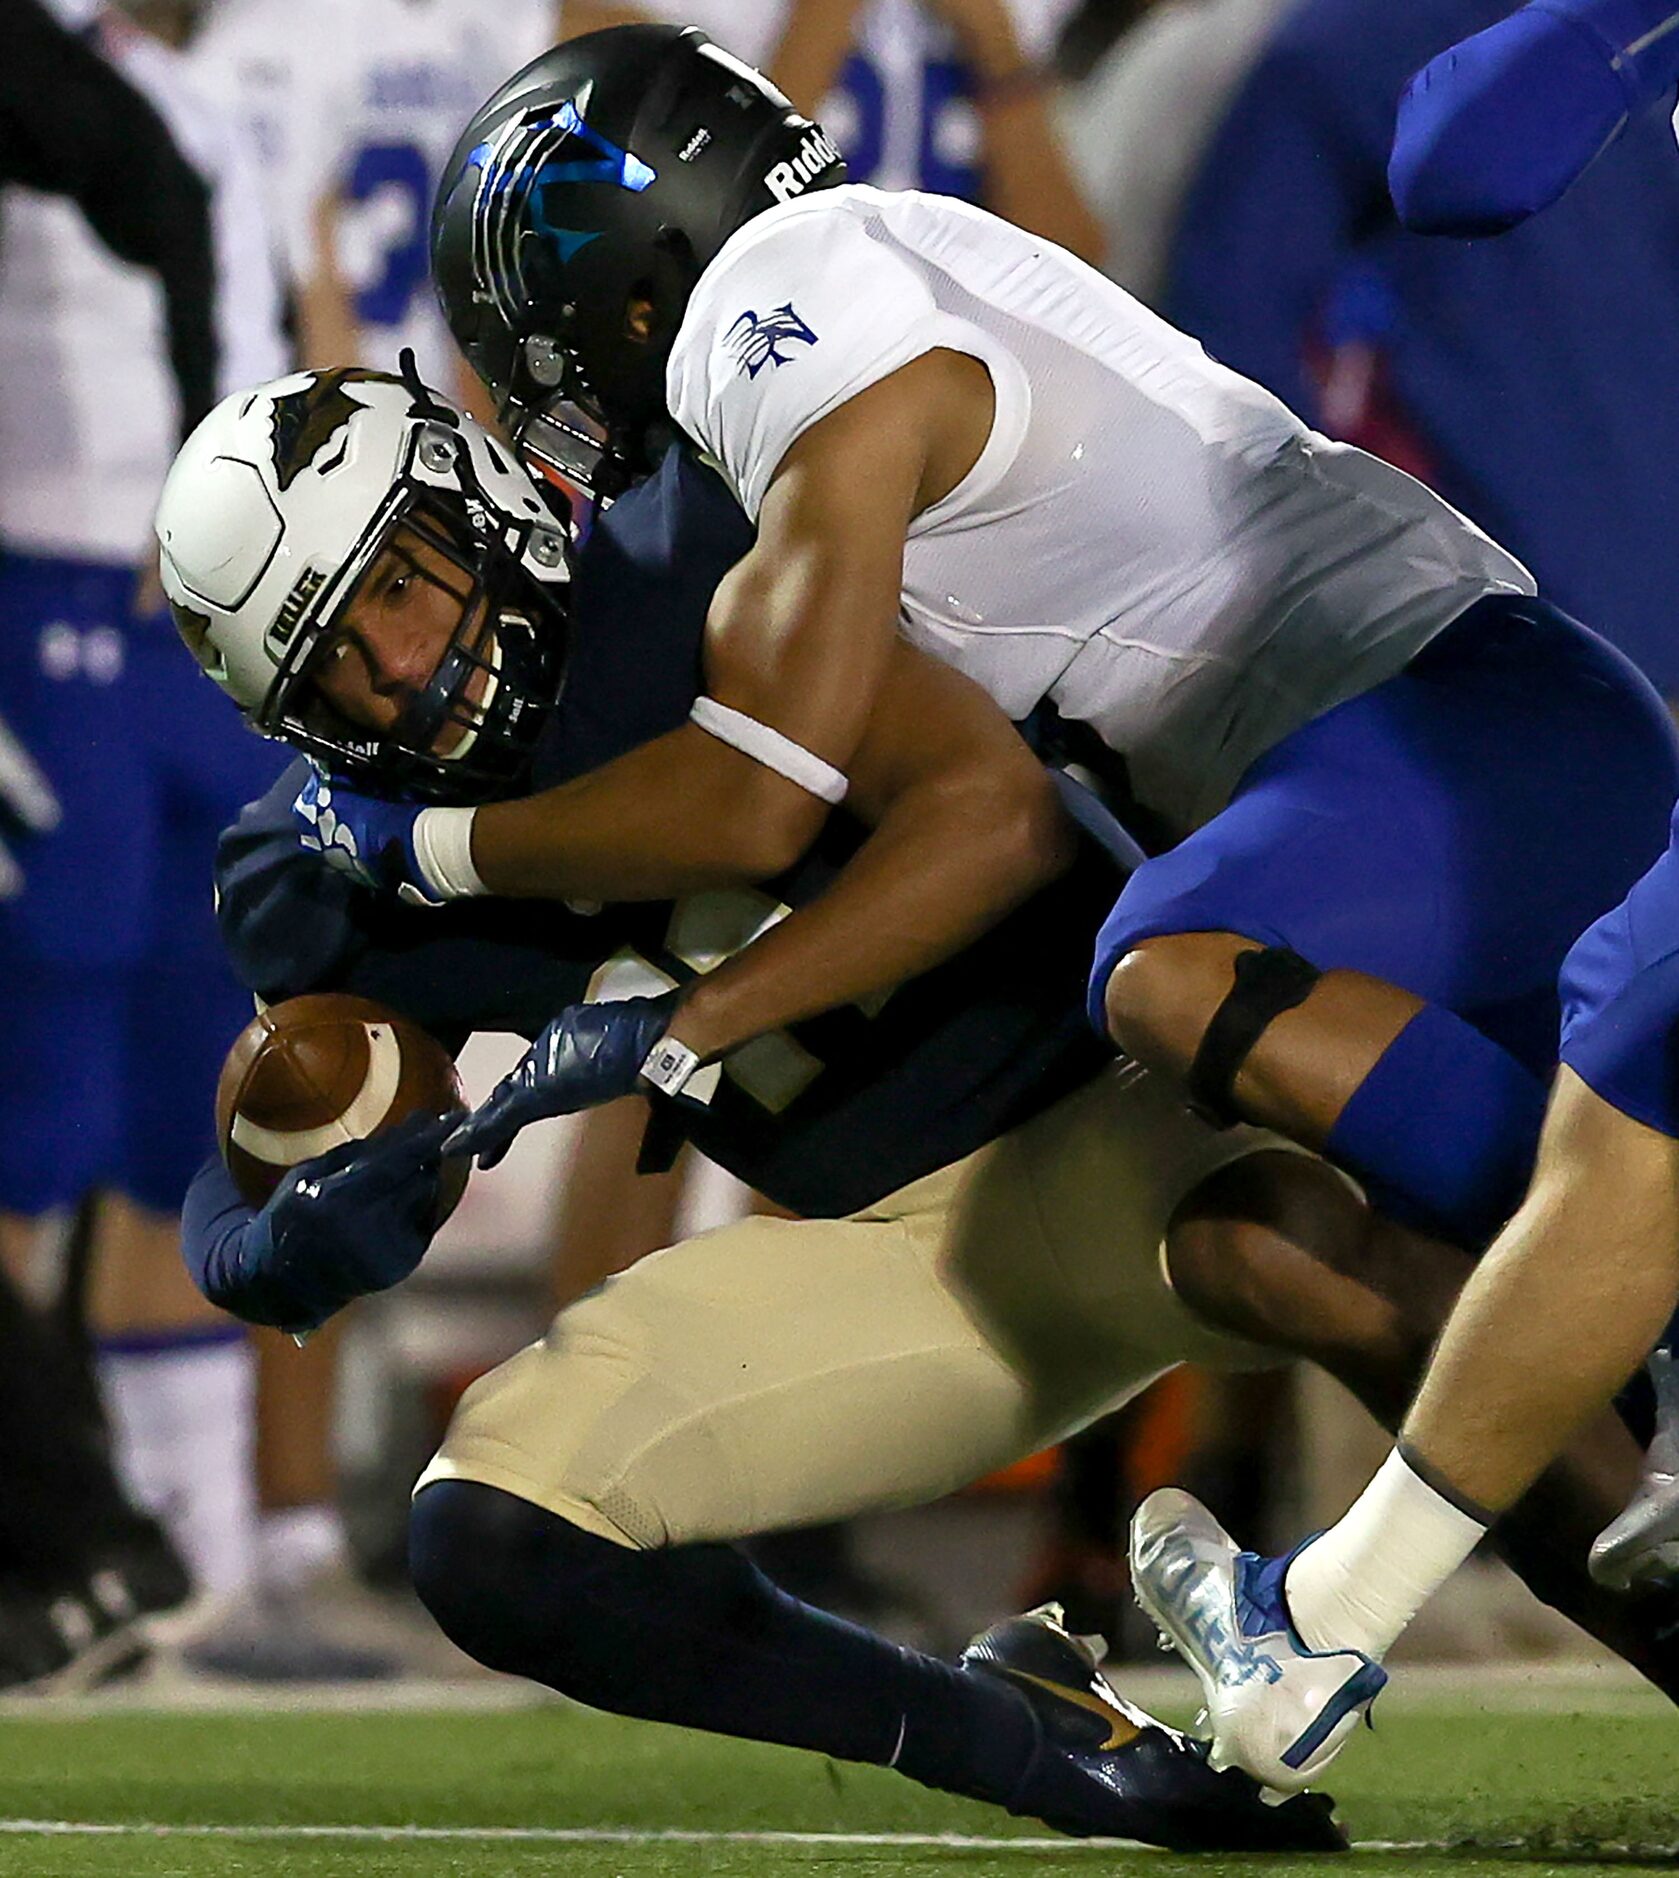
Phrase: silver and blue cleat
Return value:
(1640, 1548)
(1278, 1710)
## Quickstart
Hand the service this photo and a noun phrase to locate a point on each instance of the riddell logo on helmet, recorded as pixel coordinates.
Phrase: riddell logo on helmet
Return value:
(793, 178)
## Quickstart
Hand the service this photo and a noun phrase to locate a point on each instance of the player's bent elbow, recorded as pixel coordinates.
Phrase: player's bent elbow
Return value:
(1018, 825)
(1044, 836)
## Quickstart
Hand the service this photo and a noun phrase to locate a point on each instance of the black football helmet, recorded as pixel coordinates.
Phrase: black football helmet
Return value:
(610, 170)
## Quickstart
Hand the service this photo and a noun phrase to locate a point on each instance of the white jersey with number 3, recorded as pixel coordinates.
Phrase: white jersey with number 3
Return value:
(1148, 541)
(359, 103)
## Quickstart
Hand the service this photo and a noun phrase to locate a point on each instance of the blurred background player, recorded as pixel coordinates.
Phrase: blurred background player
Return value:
(1492, 370)
(115, 1007)
(352, 144)
(946, 95)
(82, 1573)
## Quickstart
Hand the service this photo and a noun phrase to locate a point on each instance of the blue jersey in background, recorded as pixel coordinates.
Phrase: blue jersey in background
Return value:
(1532, 378)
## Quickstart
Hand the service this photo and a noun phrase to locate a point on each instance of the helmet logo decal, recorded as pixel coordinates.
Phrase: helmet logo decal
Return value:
(818, 152)
(757, 342)
(305, 420)
(612, 165)
(498, 161)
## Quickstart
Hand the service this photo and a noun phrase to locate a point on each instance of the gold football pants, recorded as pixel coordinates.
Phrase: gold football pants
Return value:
(777, 1373)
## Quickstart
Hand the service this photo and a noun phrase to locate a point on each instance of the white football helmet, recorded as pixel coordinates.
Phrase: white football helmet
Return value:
(281, 500)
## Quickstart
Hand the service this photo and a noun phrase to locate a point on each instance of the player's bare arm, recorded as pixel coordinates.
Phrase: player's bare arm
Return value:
(1028, 180)
(814, 42)
(1027, 176)
(939, 773)
(799, 639)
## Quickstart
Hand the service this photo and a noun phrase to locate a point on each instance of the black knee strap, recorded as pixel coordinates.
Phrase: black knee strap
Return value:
(1268, 982)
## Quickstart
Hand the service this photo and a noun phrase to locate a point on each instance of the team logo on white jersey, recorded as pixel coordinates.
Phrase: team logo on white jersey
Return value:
(792, 178)
(757, 342)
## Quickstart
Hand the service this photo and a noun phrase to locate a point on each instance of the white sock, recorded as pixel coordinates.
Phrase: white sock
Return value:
(1360, 1584)
(182, 1412)
(299, 1543)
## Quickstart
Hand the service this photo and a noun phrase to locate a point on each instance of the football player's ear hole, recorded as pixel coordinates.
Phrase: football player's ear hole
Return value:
(639, 319)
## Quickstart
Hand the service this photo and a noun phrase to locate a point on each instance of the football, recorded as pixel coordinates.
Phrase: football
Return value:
(308, 1074)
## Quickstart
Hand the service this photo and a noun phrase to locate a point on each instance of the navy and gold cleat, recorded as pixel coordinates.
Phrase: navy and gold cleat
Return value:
(1107, 1769)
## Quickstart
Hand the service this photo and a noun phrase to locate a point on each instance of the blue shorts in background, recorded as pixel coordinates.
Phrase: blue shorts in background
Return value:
(1620, 1000)
(116, 1003)
(1453, 830)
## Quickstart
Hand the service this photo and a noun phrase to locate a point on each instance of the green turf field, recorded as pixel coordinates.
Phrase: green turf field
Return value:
(500, 1795)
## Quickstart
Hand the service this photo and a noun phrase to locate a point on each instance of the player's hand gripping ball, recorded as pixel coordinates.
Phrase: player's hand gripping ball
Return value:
(317, 1072)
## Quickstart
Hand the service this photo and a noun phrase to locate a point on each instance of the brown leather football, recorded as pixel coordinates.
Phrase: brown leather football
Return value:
(308, 1074)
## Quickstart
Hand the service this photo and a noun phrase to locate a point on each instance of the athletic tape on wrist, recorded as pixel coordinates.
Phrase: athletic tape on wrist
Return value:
(770, 748)
(443, 849)
(669, 1066)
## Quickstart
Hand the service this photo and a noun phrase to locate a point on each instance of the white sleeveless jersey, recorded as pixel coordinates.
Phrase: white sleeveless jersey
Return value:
(90, 413)
(364, 100)
(1150, 542)
(901, 110)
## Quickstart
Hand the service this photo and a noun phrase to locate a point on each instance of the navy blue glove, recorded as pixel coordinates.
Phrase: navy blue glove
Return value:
(370, 839)
(354, 1220)
(590, 1054)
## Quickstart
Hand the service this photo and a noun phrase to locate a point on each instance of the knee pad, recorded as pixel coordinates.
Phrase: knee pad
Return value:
(1268, 982)
(473, 1552)
(524, 1591)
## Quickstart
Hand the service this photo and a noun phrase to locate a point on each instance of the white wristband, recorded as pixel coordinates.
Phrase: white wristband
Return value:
(669, 1065)
(770, 748)
(443, 849)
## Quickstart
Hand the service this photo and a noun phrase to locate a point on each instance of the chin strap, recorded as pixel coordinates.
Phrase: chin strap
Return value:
(426, 404)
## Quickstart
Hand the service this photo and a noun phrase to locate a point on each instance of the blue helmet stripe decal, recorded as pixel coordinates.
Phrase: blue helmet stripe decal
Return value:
(614, 166)
(511, 176)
